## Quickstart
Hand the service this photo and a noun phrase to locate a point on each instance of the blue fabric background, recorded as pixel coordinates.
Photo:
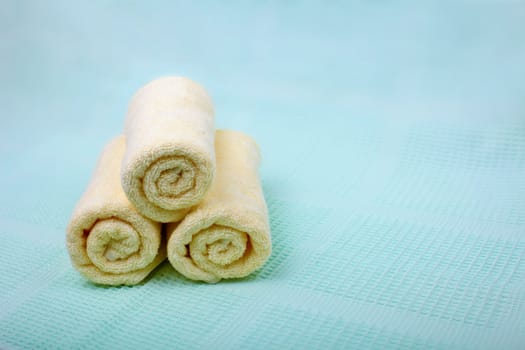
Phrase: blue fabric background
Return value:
(393, 142)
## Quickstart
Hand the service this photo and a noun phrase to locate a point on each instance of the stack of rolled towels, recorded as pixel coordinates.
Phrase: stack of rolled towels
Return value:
(172, 186)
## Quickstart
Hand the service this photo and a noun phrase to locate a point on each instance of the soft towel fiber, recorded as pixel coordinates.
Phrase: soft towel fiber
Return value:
(169, 162)
(108, 241)
(228, 234)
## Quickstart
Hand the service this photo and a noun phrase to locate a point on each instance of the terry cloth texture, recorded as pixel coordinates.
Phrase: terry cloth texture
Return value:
(108, 241)
(227, 235)
(169, 161)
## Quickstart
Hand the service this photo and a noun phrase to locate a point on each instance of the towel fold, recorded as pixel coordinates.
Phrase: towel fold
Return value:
(109, 242)
(227, 235)
(169, 162)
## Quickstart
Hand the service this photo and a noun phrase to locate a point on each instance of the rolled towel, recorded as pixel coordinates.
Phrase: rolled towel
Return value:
(169, 162)
(228, 234)
(108, 241)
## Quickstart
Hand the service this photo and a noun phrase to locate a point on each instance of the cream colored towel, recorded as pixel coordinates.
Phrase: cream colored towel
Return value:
(108, 241)
(228, 234)
(169, 162)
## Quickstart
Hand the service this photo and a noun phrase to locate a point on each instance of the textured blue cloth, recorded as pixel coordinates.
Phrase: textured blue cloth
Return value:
(393, 143)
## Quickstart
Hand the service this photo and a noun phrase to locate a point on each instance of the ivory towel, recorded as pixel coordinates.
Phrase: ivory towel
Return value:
(169, 162)
(228, 234)
(108, 241)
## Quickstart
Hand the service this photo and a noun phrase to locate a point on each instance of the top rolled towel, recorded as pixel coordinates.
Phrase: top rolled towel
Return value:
(169, 162)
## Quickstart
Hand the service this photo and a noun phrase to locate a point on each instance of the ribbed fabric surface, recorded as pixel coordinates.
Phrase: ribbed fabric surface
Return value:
(393, 165)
